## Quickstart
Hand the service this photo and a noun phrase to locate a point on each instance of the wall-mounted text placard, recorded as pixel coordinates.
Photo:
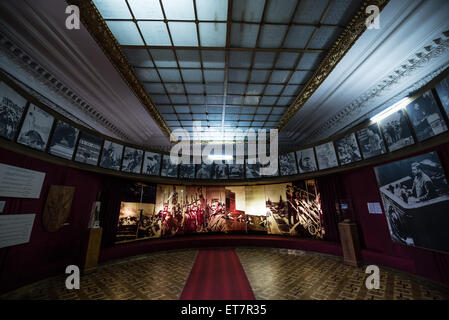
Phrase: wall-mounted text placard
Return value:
(374, 208)
(15, 229)
(17, 182)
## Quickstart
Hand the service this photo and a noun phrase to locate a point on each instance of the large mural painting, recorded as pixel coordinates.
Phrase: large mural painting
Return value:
(276, 209)
(287, 209)
(304, 209)
(256, 212)
(170, 204)
(195, 212)
(137, 218)
(235, 209)
(216, 209)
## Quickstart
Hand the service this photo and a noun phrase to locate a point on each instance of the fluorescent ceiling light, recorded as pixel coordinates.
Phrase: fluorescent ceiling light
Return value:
(397, 106)
(219, 157)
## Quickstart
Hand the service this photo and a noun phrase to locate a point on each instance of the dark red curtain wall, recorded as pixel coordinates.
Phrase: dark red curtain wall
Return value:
(47, 254)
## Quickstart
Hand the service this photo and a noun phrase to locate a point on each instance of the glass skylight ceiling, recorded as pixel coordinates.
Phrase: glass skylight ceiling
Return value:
(228, 64)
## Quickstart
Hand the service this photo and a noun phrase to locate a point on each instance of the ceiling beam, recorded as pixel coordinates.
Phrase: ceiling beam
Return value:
(225, 48)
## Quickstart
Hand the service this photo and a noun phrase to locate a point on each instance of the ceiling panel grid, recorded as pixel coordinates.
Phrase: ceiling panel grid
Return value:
(230, 64)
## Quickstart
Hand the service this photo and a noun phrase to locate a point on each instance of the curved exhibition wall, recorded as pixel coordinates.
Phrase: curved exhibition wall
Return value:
(366, 174)
(32, 127)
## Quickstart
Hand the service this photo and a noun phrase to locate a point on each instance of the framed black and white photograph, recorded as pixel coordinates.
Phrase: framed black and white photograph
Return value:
(151, 163)
(306, 160)
(348, 149)
(426, 117)
(203, 171)
(132, 160)
(236, 171)
(287, 164)
(326, 156)
(442, 89)
(12, 105)
(111, 156)
(62, 143)
(397, 130)
(265, 172)
(252, 170)
(371, 141)
(168, 168)
(36, 128)
(219, 170)
(415, 195)
(187, 171)
(88, 150)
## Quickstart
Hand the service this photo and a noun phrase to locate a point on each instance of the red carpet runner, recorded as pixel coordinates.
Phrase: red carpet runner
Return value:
(217, 275)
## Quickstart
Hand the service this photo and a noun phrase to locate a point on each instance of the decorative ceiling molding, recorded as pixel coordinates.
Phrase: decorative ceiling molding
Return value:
(30, 65)
(412, 64)
(343, 44)
(97, 27)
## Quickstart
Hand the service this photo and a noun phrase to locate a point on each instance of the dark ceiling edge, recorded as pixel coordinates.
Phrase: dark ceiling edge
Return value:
(96, 26)
(343, 44)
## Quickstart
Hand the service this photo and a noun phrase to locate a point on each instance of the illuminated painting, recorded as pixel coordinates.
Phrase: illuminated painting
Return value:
(291, 209)
(256, 210)
(235, 209)
(304, 209)
(127, 221)
(149, 225)
(195, 219)
(216, 209)
(170, 201)
(276, 208)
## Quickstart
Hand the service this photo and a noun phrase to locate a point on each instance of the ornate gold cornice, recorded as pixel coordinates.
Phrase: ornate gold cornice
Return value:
(97, 27)
(343, 44)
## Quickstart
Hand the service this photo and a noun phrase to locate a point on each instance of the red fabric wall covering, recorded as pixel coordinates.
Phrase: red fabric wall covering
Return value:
(361, 187)
(47, 254)
(330, 191)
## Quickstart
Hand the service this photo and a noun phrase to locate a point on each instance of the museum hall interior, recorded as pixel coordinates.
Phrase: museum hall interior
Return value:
(221, 150)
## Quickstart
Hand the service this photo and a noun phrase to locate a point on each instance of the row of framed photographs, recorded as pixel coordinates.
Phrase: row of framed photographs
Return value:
(423, 118)
(27, 124)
